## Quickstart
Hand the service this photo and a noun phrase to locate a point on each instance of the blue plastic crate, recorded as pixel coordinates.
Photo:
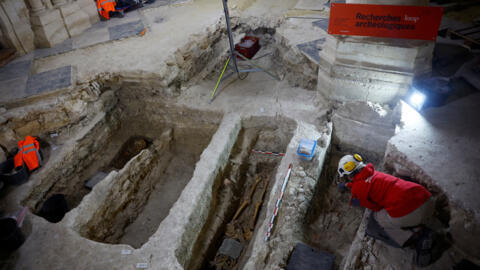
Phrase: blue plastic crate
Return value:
(306, 149)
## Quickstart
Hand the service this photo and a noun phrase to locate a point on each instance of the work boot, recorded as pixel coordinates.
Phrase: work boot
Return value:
(423, 256)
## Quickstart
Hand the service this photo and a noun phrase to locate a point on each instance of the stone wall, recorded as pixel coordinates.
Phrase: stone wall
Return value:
(364, 128)
(26, 25)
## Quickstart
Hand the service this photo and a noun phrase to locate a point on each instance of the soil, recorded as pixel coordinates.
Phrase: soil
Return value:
(240, 194)
(130, 148)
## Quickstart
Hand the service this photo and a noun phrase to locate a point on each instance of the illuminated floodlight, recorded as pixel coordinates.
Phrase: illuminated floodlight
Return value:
(416, 99)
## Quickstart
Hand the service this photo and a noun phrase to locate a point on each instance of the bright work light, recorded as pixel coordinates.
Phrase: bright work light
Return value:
(416, 99)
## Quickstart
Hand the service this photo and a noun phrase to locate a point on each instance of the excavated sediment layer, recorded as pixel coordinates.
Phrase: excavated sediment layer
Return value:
(233, 213)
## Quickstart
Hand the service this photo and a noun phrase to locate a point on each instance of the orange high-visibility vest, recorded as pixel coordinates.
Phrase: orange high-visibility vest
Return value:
(28, 154)
(105, 6)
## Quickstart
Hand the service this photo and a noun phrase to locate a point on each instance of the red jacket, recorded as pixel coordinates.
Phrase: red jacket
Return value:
(376, 190)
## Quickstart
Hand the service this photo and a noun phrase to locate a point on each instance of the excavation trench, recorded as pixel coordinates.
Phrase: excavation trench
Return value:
(151, 147)
(331, 222)
(240, 192)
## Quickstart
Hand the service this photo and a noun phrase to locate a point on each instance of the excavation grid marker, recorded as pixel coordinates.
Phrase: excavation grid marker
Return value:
(277, 205)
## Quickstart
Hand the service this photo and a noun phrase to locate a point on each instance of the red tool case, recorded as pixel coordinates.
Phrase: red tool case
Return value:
(248, 47)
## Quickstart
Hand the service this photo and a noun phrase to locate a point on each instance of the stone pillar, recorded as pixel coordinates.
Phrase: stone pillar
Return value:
(58, 3)
(75, 19)
(47, 4)
(372, 69)
(36, 6)
(14, 20)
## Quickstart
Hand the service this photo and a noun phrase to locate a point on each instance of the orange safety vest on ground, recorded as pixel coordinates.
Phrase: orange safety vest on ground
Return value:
(105, 6)
(28, 154)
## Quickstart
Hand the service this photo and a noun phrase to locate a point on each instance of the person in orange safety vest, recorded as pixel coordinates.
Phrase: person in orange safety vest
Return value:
(104, 7)
(28, 154)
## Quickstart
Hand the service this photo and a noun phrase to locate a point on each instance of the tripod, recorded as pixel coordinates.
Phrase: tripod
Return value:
(232, 59)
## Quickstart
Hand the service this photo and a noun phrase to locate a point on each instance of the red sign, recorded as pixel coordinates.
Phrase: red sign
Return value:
(413, 22)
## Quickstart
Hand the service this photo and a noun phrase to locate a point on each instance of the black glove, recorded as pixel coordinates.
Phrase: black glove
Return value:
(355, 202)
(341, 187)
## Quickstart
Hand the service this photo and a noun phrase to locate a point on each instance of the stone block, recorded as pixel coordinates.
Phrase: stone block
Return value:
(92, 14)
(68, 9)
(348, 90)
(370, 75)
(47, 17)
(231, 248)
(50, 35)
(76, 23)
(49, 80)
(26, 36)
(397, 58)
(90, 8)
(376, 125)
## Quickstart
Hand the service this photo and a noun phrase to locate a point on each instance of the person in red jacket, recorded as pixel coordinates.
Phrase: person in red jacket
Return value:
(397, 205)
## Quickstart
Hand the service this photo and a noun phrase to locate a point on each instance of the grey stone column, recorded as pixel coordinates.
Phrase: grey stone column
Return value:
(37, 6)
(57, 3)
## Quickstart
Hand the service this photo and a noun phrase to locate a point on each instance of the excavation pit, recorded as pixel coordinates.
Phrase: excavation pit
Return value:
(332, 222)
(148, 156)
(240, 193)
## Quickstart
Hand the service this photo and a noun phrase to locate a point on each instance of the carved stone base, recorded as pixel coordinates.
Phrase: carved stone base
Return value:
(371, 69)
(49, 28)
(75, 19)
